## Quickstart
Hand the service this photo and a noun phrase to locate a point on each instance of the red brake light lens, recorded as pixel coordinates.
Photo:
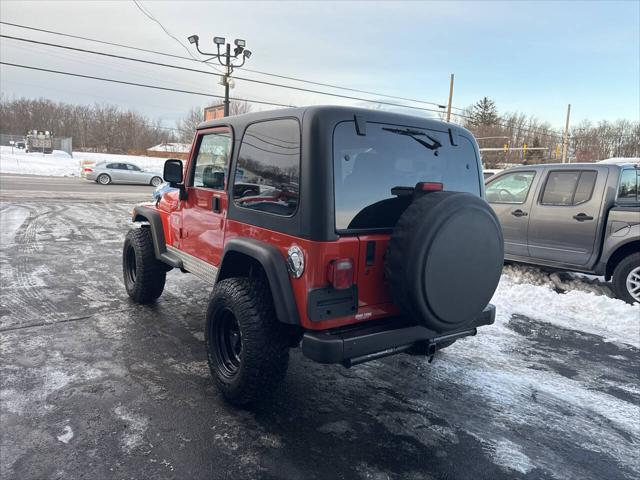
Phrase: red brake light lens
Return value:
(430, 186)
(88, 169)
(340, 273)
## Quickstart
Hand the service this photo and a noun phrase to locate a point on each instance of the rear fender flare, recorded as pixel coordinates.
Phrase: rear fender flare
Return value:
(274, 266)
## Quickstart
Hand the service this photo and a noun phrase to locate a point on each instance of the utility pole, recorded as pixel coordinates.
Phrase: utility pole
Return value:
(228, 62)
(227, 77)
(450, 99)
(565, 137)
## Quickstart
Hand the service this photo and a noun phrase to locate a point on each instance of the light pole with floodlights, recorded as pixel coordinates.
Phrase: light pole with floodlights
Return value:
(228, 62)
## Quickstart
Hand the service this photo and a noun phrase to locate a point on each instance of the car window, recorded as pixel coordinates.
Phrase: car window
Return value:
(629, 185)
(112, 166)
(367, 169)
(132, 167)
(268, 168)
(566, 188)
(584, 189)
(210, 169)
(510, 187)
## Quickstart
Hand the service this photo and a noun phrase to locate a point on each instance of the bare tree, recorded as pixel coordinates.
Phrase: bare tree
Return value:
(188, 124)
(99, 127)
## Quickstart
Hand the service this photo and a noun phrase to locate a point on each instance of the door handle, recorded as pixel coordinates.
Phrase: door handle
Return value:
(519, 213)
(581, 217)
(215, 204)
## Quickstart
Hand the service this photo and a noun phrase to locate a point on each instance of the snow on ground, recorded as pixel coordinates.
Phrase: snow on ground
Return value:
(60, 164)
(585, 306)
(57, 164)
(146, 163)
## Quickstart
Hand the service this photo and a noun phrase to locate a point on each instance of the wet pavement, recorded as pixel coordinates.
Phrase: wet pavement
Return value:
(94, 386)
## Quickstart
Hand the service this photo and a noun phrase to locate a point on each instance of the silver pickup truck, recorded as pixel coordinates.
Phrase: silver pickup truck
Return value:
(574, 217)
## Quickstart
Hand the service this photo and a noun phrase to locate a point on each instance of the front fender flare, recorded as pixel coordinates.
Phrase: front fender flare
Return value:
(146, 214)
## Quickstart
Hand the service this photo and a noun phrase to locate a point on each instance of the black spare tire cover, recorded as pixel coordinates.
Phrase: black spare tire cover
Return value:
(444, 259)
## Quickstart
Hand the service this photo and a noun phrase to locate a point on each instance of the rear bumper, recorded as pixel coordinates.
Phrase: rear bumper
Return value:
(364, 342)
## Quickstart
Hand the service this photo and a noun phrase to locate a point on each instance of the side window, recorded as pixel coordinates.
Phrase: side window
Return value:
(566, 188)
(132, 168)
(584, 189)
(510, 188)
(113, 166)
(268, 169)
(629, 185)
(210, 168)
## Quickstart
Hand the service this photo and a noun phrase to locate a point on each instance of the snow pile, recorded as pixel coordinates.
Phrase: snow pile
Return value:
(152, 164)
(559, 281)
(56, 164)
(171, 147)
(60, 164)
(621, 160)
(522, 291)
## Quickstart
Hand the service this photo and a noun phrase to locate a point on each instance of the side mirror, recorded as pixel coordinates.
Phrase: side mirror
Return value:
(173, 176)
(173, 172)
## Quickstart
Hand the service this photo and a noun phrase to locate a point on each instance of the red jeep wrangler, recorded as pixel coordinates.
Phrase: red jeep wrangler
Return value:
(359, 233)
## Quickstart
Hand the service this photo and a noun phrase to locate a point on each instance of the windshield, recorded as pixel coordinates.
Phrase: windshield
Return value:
(367, 167)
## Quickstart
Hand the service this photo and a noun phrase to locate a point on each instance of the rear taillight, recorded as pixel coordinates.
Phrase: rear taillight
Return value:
(340, 273)
(88, 169)
(430, 186)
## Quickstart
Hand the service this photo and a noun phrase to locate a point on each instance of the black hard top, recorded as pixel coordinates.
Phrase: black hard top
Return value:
(319, 112)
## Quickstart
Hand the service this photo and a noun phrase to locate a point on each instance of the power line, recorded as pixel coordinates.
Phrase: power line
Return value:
(150, 16)
(111, 55)
(262, 82)
(156, 87)
(286, 77)
(523, 129)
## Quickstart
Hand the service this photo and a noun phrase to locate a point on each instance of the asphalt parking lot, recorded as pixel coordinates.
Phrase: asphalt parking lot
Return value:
(94, 386)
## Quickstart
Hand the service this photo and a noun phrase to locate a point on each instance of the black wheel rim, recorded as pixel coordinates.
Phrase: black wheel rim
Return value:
(227, 342)
(130, 265)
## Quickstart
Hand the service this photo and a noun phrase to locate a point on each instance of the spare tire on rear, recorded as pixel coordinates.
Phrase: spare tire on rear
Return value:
(444, 259)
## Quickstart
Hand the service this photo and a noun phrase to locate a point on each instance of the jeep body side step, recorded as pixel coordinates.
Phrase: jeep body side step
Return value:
(365, 342)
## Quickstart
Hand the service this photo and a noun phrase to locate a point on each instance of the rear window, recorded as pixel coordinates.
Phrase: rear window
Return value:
(367, 167)
(629, 185)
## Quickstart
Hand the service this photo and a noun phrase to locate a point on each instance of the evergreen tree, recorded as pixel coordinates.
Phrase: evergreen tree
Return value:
(484, 112)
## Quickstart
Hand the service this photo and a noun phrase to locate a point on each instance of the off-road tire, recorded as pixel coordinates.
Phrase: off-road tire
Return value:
(620, 275)
(264, 351)
(155, 181)
(145, 282)
(106, 179)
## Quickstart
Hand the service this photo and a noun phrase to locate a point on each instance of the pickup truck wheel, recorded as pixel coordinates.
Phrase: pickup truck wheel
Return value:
(144, 276)
(626, 279)
(247, 349)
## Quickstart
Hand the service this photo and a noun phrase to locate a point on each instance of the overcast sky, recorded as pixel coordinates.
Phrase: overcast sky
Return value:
(532, 57)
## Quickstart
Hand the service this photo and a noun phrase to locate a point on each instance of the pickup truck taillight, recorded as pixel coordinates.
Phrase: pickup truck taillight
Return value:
(340, 273)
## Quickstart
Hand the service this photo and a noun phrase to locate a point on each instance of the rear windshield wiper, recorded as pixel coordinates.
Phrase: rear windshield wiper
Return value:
(415, 134)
